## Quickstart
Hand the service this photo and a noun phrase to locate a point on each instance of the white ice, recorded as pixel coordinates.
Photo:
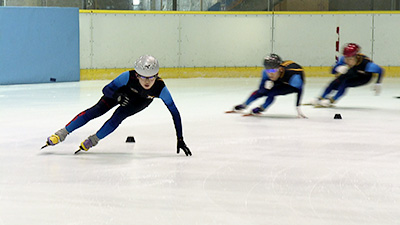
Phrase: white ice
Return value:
(275, 169)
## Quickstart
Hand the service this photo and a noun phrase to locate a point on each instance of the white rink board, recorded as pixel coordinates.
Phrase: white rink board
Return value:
(386, 39)
(233, 40)
(311, 39)
(224, 40)
(85, 40)
(119, 39)
(356, 28)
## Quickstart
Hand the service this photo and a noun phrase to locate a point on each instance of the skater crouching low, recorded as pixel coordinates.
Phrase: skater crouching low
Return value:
(278, 78)
(353, 69)
(132, 91)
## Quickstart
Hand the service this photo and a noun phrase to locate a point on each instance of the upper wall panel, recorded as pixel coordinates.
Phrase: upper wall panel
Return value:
(85, 40)
(386, 40)
(115, 40)
(311, 39)
(119, 39)
(224, 40)
(356, 28)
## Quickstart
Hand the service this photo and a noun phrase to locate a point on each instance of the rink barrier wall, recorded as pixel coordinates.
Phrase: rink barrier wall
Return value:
(225, 72)
(114, 39)
(39, 45)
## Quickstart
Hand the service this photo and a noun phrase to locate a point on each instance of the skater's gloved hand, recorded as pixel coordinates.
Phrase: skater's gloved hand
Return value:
(377, 88)
(239, 107)
(342, 69)
(269, 84)
(182, 145)
(123, 99)
(300, 113)
(258, 110)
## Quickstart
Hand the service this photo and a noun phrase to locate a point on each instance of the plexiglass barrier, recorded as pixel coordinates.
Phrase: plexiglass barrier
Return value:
(216, 5)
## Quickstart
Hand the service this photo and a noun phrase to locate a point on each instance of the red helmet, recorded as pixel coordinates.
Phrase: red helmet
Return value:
(351, 49)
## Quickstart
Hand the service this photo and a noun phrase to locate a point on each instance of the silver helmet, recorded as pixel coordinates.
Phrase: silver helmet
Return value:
(272, 61)
(146, 65)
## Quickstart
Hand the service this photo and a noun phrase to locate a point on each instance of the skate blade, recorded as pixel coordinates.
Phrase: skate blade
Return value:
(231, 111)
(250, 114)
(80, 149)
(46, 145)
(321, 106)
(308, 104)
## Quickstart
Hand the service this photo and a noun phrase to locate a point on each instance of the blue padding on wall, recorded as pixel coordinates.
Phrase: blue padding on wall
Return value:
(39, 45)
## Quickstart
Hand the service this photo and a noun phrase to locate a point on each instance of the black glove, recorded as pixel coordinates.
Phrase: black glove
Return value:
(123, 99)
(182, 145)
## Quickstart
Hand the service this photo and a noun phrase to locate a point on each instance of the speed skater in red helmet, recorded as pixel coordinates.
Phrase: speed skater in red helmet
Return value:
(353, 69)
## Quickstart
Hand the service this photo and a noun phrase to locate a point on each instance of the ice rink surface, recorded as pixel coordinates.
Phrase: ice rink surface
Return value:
(275, 169)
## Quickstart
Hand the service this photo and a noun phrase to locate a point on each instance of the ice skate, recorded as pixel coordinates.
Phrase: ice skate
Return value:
(316, 101)
(326, 103)
(313, 102)
(88, 143)
(56, 138)
(256, 111)
(237, 109)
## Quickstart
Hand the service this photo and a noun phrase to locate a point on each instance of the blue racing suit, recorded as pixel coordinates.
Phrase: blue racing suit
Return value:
(291, 80)
(358, 75)
(139, 98)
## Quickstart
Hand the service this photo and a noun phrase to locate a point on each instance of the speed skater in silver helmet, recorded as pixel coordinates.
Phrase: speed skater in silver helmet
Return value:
(132, 91)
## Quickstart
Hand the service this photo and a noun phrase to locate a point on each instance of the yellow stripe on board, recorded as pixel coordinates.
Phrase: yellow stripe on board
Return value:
(227, 72)
(108, 74)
